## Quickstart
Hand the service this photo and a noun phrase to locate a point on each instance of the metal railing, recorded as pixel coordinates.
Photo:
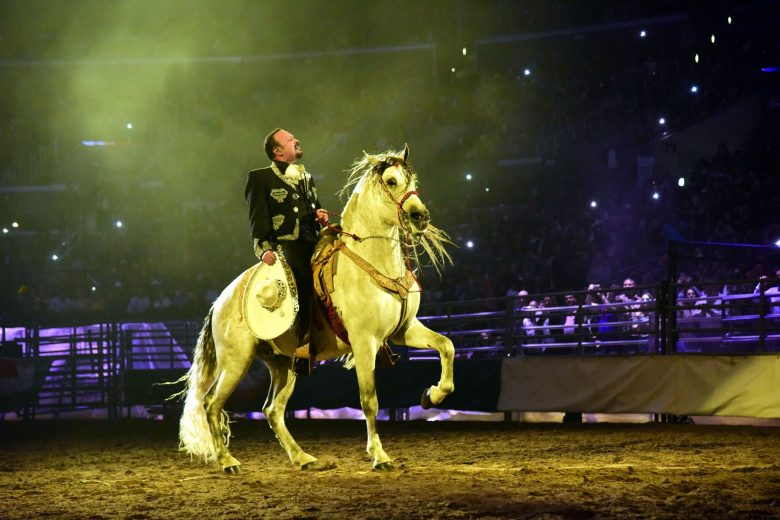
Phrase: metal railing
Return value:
(91, 366)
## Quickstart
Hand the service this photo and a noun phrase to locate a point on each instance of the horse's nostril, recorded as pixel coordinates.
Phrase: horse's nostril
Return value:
(419, 216)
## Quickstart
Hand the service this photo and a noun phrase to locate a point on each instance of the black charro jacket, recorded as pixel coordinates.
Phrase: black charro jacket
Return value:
(279, 209)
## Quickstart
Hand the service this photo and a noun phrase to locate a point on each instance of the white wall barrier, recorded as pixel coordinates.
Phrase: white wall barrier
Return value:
(738, 386)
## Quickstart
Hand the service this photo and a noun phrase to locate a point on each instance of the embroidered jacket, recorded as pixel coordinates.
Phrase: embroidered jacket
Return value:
(281, 207)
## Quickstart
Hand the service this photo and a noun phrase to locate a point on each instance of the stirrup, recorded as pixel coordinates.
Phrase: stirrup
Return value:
(301, 366)
(387, 357)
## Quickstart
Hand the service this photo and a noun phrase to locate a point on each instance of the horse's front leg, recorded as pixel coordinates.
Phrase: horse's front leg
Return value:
(418, 335)
(365, 362)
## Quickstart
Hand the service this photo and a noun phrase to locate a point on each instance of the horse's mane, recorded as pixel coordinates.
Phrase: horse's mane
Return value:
(432, 242)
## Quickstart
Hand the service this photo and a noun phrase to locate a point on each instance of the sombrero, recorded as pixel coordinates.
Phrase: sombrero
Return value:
(270, 299)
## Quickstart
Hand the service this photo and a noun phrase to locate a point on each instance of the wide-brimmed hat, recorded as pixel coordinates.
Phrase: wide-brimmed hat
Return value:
(270, 299)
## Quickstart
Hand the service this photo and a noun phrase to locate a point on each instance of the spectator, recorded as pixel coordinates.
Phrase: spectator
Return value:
(771, 292)
(139, 303)
(530, 315)
(570, 320)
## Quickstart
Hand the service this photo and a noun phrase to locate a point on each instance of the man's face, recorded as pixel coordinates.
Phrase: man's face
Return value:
(289, 148)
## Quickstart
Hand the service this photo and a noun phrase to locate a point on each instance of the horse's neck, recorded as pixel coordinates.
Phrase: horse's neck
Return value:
(382, 253)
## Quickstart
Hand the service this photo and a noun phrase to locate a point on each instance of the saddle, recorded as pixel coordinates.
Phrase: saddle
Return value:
(324, 262)
(324, 265)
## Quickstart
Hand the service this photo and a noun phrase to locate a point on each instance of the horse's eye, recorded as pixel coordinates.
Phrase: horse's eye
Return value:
(391, 182)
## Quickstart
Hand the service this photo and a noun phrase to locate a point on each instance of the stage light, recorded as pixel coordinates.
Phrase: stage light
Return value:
(469, 244)
(777, 242)
(696, 58)
(55, 257)
(728, 20)
(468, 177)
(487, 189)
(5, 230)
(118, 224)
(681, 182)
(94, 288)
(594, 204)
(712, 38)
(14, 224)
(464, 51)
(662, 121)
(694, 89)
(656, 195)
(642, 33)
(129, 126)
(527, 72)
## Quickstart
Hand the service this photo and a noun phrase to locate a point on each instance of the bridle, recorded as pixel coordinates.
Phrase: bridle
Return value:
(403, 215)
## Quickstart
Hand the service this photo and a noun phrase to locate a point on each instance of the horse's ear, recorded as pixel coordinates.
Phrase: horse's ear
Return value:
(370, 159)
(406, 152)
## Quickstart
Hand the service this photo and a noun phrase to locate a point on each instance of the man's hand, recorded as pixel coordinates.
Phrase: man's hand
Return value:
(269, 257)
(321, 216)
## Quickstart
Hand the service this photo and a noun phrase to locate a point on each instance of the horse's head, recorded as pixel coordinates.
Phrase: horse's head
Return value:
(385, 191)
(399, 187)
(386, 183)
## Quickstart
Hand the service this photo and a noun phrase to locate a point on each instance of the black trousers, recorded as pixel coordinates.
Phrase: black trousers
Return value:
(298, 256)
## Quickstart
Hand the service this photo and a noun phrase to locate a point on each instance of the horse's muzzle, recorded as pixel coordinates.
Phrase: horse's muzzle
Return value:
(420, 218)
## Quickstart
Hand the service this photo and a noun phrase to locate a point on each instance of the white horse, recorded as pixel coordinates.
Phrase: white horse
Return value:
(382, 216)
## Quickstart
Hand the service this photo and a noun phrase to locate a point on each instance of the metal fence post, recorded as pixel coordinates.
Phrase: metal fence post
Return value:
(661, 324)
(762, 312)
(509, 333)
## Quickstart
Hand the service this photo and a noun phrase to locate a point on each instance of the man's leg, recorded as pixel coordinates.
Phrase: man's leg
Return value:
(298, 255)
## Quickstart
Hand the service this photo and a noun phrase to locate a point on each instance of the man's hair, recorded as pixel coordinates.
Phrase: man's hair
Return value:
(271, 143)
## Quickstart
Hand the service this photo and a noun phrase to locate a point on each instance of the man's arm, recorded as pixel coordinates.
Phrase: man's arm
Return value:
(320, 215)
(259, 221)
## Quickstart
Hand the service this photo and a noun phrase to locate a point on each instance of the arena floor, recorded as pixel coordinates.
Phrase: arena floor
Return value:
(132, 469)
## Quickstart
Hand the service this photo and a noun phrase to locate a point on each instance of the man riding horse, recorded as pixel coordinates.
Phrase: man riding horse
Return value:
(285, 216)
(374, 292)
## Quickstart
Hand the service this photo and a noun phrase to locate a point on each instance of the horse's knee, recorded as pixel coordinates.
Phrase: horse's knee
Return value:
(448, 350)
(445, 347)
(369, 405)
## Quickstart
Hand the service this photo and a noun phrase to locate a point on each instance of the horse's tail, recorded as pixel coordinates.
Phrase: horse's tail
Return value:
(194, 434)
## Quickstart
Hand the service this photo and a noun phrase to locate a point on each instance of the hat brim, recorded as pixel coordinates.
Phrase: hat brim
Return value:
(264, 323)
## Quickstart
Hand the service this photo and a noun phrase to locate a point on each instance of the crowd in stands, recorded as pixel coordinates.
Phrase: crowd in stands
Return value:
(533, 231)
(552, 246)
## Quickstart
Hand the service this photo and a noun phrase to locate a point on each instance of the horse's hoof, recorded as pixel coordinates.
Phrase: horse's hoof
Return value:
(316, 465)
(385, 466)
(425, 400)
(233, 470)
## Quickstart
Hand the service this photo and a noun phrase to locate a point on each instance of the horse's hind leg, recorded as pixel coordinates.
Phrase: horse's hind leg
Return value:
(418, 335)
(229, 375)
(282, 385)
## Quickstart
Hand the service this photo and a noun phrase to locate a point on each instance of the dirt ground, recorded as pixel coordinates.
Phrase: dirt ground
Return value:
(132, 469)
